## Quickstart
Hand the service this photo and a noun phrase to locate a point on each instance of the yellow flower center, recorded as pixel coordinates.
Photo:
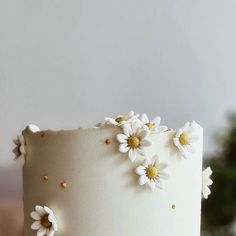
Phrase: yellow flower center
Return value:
(184, 138)
(133, 141)
(150, 125)
(45, 221)
(152, 172)
(120, 119)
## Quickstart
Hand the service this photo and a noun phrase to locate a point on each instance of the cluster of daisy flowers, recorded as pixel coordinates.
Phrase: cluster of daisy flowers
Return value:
(135, 139)
(138, 128)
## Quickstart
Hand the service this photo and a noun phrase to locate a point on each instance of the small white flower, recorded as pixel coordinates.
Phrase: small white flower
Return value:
(133, 140)
(45, 221)
(185, 139)
(153, 125)
(152, 172)
(20, 150)
(122, 119)
(206, 182)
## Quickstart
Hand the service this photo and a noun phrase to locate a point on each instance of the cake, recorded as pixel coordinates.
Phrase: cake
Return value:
(126, 176)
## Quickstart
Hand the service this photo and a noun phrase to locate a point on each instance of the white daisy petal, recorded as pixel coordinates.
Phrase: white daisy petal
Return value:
(50, 232)
(163, 175)
(140, 170)
(40, 210)
(123, 148)
(162, 128)
(141, 151)
(35, 215)
(143, 179)
(41, 232)
(144, 118)
(147, 161)
(206, 182)
(122, 138)
(132, 154)
(146, 143)
(162, 166)
(156, 158)
(143, 134)
(127, 130)
(186, 126)
(151, 184)
(48, 210)
(36, 225)
(157, 120)
(130, 114)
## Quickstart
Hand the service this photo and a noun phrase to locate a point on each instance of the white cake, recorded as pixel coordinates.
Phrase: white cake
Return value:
(129, 176)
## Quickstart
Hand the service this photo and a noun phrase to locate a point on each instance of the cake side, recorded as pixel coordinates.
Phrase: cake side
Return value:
(94, 189)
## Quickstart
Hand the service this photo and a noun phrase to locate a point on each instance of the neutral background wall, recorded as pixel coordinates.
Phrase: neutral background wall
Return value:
(68, 63)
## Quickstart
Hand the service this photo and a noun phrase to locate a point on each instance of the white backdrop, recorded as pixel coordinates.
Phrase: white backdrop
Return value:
(68, 63)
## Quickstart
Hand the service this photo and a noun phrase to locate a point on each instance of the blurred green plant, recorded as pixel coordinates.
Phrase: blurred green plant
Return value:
(219, 211)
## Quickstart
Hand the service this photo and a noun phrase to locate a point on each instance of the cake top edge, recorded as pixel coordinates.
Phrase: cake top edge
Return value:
(153, 125)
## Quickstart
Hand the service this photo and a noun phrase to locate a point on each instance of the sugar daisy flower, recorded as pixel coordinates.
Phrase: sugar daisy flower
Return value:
(20, 149)
(122, 119)
(45, 221)
(185, 139)
(206, 182)
(152, 172)
(133, 140)
(152, 125)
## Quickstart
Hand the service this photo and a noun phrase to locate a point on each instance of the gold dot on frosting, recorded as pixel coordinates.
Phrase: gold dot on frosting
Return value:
(107, 141)
(45, 177)
(63, 184)
(173, 206)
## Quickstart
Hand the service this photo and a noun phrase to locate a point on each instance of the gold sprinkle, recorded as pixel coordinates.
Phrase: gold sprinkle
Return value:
(173, 206)
(107, 141)
(63, 184)
(45, 177)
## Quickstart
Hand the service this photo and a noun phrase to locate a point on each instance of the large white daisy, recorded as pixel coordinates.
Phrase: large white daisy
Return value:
(122, 119)
(185, 139)
(151, 172)
(45, 221)
(153, 125)
(20, 149)
(133, 140)
(206, 182)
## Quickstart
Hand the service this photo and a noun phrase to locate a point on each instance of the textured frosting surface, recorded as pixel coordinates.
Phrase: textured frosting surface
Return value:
(102, 195)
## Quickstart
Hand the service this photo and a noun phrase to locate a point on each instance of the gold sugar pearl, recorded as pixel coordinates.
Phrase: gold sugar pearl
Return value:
(107, 141)
(45, 177)
(63, 185)
(173, 206)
